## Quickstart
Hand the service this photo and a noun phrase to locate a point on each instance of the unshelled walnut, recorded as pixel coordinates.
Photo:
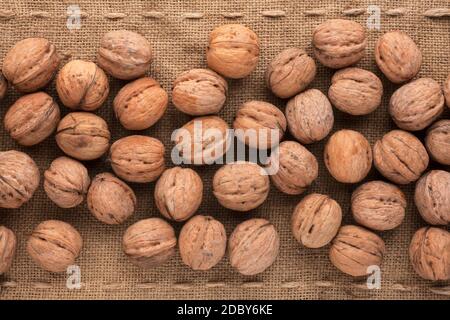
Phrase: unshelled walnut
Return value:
(3, 86)
(83, 135)
(54, 245)
(233, 50)
(30, 64)
(447, 90)
(309, 116)
(437, 141)
(253, 246)
(378, 205)
(241, 186)
(66, 182)
(149, 243)
(348, 156)
(8, 243)
(178, 193)
(19, 178)
(199, 92)
(140, 104)
(202, 242)
(339, 43)
(137, 158)
(290, 72)
(400, 157)
(110, 199)
(316, 220)
(355, 91)
(82, 85)
(124, 54)
(32, 118)
(355, 249)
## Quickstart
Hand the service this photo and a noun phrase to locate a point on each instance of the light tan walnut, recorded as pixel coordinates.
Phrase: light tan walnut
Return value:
(437, 141)
(447, 90)
(8, 244)
(3, 86)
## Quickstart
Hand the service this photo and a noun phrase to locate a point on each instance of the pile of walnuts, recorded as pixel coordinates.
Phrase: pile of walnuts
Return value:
(233, 52)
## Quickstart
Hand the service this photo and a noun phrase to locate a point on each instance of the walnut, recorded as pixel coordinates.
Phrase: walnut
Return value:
(32, 118)
(378, 205)
(30, 64)
(309, 116)
(110, 199)
(124, 54)
(202, 242)
(199, 92)
(355, 249)
(140, 104)
(348, 156)
(83, 135)
(178, 193)
(400, 157)
(66, 182)
(8, 243)
(316, 220)
(137, 158)
(446, 90)
(355, 91)
(149, 243)
(415, 105)
(233, 50)
(54, 245)
(19, 178)
(3, 86)
(82, 85)
(241, 186)
(437, 141)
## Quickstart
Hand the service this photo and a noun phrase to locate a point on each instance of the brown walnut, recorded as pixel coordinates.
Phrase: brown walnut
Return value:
(437, 141)
(3, 86)
(447, 90)
(8, 243)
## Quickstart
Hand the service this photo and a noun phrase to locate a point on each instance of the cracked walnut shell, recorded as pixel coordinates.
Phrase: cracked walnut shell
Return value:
(437, 141)
(8, 244)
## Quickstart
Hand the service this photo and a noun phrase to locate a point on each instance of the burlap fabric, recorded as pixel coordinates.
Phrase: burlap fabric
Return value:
(178, 31)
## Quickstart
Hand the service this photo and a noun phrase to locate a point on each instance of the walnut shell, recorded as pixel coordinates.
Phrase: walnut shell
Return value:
(110, 199)
(178, 193)
(355, 91)
(3, 86)
(378, 205)
(54, 245)
(202, 242)
(8, 243)
(19, 178)
(30, 64)
(398, 56)
(437, 141)
(140, 104)
(446, 90)
(199, 92)
(316, 220)
(233, 50)
(83, 135)
(138, 158)
(400, 157)
(355, 249)
(309, 116)
(241, 186)
(348, 156)
(66, 182)
(149, 243)
(82, 85)
(124, 54)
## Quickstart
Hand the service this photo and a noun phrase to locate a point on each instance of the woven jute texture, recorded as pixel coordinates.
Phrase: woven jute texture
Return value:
(178, 31)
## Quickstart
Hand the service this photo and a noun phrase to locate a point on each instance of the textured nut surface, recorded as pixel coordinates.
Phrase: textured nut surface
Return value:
(202, 242)
(437, 141)
(400, 157)
(233, 50)
(54, 245)
(415, 105)
(8, 243)
(378, 205)
(83, 135)
(66, 182)
(348, 156)
(3, 86)
(309, 116)
(32, 118)
(253, 246)
(316, 220)
(290, 72)
(447, 90)
(355, 91)
(140, 104)
(178, 193)
(241, 186)
(355, 249)
(149, 243)
(110, 199)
